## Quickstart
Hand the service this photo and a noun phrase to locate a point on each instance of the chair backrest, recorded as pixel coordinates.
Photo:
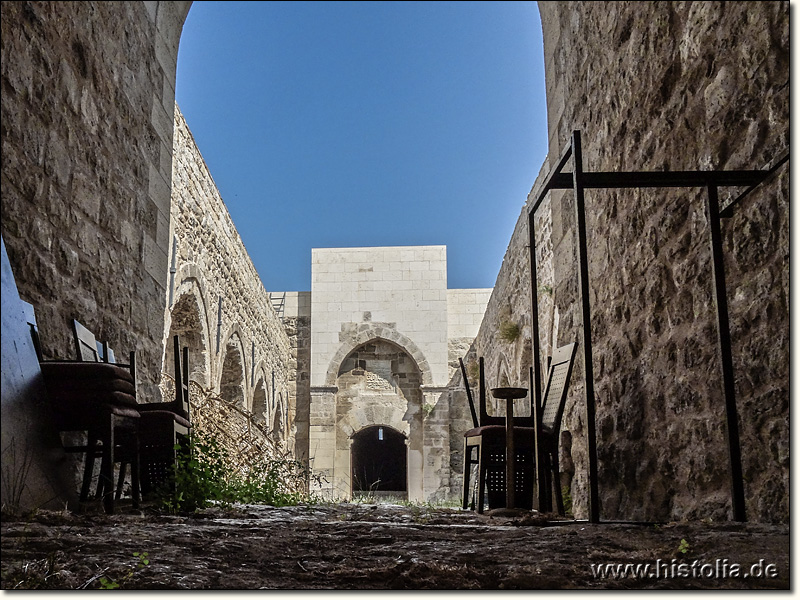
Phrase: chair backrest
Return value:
(30, 319)
(86, 345)
(485, 417)
(555, 394)
(91, 350)
(475, 422)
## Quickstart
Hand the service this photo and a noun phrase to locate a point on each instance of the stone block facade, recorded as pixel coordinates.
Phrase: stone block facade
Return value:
(383, 345)
(404, 285)
(87, 161)
(88, 94)
(296, 317)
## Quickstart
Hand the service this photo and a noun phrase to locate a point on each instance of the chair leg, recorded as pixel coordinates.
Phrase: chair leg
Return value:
(136, 493)
(88, 467)
(107, 467)
(481, 477)
(467, 473)
(547, 482)
(123, 470)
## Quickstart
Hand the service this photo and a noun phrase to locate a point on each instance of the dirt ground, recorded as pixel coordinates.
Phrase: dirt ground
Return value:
(380, 546)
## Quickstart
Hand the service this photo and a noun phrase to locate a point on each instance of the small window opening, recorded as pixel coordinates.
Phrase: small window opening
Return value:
(380, 434)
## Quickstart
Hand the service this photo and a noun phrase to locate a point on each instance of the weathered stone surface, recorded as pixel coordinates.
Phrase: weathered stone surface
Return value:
(78, 156)
(81, 155)
(668, 86)
(385, 336)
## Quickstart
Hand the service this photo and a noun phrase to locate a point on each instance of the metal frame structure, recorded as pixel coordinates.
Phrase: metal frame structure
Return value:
(579, 181)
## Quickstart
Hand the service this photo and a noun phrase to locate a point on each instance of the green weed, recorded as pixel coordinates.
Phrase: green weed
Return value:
(205, 473)
(108, 583)
(509, 331)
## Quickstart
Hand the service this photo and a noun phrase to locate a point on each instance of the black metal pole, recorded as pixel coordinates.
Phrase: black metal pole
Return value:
(536, 372)
(583, 287)
(726, 358)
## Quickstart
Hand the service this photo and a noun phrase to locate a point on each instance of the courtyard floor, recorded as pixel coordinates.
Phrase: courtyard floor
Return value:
(383, 547)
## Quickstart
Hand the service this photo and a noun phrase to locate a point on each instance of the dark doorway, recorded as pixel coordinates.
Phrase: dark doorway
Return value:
(379, 460)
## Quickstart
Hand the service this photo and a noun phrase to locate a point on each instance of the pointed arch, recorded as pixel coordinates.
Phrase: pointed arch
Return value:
(232, 379)
(377, 331)
(187, 321)
(260, 407)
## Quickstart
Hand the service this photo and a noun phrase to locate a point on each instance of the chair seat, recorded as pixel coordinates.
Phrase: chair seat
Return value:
(69, 419)
(69, 397)
(499, 431)
(76, 371)
(150, 417)
(171, 407)
(88, 387)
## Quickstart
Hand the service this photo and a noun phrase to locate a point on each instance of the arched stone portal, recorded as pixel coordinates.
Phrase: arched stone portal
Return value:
(379, 461)
(378, 388)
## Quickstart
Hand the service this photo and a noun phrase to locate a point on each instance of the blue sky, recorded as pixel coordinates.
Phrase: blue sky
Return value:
(340, 124)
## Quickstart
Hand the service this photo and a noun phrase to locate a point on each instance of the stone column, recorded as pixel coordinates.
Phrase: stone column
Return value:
(436, 442)
(322, 437)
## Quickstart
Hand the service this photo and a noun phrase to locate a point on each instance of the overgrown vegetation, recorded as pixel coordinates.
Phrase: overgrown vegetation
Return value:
(207, 474)
(567, 498)
(509, 331)
(16, 468)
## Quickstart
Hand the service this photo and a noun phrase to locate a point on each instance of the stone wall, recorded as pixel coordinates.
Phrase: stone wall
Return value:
(392, 302)
(676, 86)
(667, 86)
(88, 94)
(404, 285)
(297, 324)
(242, 352)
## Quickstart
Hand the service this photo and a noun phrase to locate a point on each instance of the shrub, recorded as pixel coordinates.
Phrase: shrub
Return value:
(509, 331)
(207, 474)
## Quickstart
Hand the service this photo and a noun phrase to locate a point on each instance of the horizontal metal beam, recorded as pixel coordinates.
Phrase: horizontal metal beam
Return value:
(645, 179)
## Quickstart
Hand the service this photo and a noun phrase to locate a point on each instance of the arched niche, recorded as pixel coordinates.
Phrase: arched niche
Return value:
(187, 321)
(260, 408)
(232, 376)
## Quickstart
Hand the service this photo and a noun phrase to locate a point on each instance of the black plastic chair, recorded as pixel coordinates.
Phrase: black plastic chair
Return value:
(165, 426)
(488, 440)
(97, 398)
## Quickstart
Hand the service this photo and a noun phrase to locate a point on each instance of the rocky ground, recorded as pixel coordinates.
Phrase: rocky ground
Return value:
(379, 546)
